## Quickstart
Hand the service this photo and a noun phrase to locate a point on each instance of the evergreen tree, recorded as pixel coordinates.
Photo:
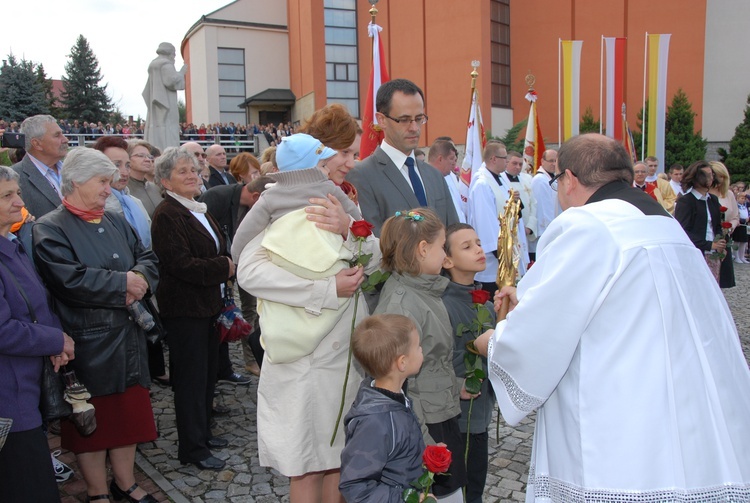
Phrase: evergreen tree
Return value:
(588, 124)
(682, 145)
(83, 96)
(638, 135)
(513, 139)
(41, 77)
(21, 94)
(738, 159)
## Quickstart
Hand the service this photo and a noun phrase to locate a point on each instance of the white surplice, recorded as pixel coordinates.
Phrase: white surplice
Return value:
(624, 343)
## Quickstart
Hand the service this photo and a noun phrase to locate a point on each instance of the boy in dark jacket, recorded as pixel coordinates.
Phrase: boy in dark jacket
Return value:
(384, 446)
(464, 258)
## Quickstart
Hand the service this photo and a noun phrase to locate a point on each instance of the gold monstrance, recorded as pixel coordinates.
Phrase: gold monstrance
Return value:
(507, 252)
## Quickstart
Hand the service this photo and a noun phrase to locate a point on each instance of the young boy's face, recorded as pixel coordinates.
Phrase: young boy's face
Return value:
(414, 357)
(466, 252)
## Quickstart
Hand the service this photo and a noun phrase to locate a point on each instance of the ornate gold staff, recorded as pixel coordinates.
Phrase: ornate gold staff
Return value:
(507, 254)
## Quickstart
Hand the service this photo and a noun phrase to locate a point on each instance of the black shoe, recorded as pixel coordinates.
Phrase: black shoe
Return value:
(220, 410)
(217, 442)
(118, 494)
(235, 378)
(210, 463)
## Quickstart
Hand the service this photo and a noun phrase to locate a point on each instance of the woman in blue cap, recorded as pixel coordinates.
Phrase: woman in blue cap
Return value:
(305, 316)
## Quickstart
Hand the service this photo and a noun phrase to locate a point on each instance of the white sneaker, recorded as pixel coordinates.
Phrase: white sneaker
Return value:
(62, 471)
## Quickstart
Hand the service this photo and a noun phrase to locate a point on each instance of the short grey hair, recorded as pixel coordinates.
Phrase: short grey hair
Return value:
(35, 127)
(7, 174)
(82, 164)
(167, 161)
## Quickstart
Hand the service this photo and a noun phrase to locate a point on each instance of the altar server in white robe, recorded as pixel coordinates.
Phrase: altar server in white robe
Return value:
(623, 342)
(547, 206)
(488, 193)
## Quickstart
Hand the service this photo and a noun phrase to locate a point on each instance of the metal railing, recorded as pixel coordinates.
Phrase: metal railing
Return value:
(233, 144)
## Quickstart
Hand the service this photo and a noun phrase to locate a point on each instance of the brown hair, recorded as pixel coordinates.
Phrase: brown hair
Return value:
(240, 165)
(379, 340)
(401, 235)
(269, 155)
(259, 184)
(333, 126)
(694, 175)
(104, 142)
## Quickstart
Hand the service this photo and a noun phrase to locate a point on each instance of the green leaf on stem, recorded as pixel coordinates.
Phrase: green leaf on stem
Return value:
(473, 384)
(410, 495)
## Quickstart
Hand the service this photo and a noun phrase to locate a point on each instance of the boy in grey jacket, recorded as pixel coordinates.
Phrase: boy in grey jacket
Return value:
(384, 445)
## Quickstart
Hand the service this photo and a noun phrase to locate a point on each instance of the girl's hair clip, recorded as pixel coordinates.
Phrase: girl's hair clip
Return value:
(411, 215)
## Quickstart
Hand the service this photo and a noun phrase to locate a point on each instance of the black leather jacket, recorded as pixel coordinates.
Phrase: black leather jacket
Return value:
(84, 266)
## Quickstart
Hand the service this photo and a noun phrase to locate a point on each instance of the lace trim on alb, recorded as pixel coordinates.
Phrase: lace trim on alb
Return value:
(556, 490)
(522, 401)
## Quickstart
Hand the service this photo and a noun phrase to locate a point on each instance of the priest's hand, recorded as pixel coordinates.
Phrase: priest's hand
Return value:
(481, 342)
(506, 291)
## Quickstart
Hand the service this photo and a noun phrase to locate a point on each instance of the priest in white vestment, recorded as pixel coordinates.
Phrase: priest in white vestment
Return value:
(624, 344)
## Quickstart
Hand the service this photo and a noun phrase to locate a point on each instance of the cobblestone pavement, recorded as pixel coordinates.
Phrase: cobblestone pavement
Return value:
(245, 481)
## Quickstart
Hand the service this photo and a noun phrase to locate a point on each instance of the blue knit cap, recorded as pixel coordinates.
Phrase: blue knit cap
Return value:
(301, 151)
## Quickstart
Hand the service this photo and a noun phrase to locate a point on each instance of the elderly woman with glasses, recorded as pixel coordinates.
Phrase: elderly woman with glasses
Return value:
(194, 266)
(95, 267)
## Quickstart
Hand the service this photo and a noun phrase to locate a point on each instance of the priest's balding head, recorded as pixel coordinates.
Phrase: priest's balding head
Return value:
(587, 162)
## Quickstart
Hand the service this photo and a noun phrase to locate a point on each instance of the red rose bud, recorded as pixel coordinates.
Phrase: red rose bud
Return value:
(723, 209)
(436, 458)
(726, 225)
(361, 228)
(479, 296)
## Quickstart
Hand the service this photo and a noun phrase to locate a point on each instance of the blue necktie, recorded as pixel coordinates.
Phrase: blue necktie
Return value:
(416, 183)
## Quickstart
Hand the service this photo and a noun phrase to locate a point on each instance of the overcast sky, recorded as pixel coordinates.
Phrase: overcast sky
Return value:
(124, 35)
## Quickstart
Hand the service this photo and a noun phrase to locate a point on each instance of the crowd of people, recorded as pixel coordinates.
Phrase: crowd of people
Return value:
(618, 334)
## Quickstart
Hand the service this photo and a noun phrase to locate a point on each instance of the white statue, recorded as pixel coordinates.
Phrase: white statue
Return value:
(160, 94)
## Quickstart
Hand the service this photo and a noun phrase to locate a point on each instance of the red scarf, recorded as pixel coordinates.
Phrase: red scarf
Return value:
(349, 190)
(87, 215)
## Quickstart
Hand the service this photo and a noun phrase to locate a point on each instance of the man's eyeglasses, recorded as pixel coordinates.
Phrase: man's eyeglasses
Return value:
(553, 180)
(419, 119)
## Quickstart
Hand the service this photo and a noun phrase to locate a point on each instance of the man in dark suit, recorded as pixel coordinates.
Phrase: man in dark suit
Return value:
(391, 179)
(39, 171)
(229, 204)
(217, 162)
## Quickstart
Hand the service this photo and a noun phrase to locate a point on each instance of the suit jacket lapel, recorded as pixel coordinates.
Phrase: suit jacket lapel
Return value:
(393, 173)
(40, 182)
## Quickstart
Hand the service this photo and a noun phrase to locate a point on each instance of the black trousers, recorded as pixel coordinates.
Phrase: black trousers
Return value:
(26, 472)
(476, 467)
(449, 433)
(156, 365)
(193, 357)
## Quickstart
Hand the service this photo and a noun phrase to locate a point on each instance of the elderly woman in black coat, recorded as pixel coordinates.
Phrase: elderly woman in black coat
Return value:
(193, 265)
(95, 267)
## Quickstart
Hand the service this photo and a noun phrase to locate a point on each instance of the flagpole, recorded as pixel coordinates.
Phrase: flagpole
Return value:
(643, 110)
(601, 81)
(559, 92)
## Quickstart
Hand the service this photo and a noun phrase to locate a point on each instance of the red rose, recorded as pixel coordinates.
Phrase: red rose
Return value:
(723, 209)
(726, 225)
(479, 296)
(436, 458)
(361, 228)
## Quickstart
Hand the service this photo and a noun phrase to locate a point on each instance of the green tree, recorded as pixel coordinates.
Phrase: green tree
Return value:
(21, 94)
(738, 158)
(638, 135)
(682, 145)
(41, 77)
(83, 96)
(588, 124)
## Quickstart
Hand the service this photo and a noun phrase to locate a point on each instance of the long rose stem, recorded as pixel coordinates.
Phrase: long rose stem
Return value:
(348, 367)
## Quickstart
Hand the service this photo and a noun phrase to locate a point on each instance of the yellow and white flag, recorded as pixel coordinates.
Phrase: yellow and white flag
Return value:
(571, 86)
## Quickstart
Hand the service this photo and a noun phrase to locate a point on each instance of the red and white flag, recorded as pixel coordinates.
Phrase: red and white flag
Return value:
(533, 145)
(615, 51)
(372, 135)
(475, 141)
